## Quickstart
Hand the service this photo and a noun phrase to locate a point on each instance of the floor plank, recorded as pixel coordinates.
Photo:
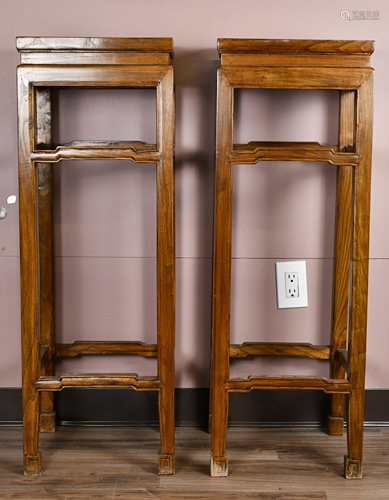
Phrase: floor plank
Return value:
(121, 463)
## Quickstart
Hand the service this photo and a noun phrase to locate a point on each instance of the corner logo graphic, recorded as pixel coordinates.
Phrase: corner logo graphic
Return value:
(360, 15)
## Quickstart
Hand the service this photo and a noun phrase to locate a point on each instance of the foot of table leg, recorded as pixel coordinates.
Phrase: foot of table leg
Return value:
(33, 465)
(352, 468)
(219, 466)
(166, 464)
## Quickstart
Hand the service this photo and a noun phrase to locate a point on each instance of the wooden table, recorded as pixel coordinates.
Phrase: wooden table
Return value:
(88, 63)
(299, 64)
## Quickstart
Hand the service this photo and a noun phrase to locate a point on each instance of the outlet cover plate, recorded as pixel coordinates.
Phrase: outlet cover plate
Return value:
(296, 266)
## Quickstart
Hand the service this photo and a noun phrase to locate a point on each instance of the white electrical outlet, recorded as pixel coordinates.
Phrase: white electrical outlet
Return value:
(292, 284)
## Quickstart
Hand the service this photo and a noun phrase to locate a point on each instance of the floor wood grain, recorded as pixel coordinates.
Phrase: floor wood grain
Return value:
(120, 463)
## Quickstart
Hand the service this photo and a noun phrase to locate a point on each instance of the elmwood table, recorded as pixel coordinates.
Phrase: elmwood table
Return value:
(48, 63)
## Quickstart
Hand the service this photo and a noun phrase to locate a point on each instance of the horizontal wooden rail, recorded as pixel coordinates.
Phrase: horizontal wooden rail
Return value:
(291, 153)
(135, 76)
(98, 381)
(81, 347)
(137, 146)
(293, 77)
(288, 382)
(279, 349)
(94, 58)
(258, 59)
(254, 146)
(137, 152)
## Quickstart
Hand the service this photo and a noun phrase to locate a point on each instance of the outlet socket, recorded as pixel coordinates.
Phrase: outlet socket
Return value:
(291, 284)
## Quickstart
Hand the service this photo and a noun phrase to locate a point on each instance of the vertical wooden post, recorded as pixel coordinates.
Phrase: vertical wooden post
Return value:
(166, 270)
(46, 251)
(360, 273)
(342, 256)
(29, 282)
(221, 299)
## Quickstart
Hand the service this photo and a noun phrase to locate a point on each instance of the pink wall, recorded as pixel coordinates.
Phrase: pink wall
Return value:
(105, 212)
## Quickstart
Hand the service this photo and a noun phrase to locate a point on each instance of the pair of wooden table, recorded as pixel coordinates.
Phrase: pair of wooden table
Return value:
(140, 63)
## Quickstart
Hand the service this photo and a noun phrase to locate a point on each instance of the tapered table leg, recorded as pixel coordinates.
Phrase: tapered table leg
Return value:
(29, 284)
(360, 274)
(166, 272)
(221, 277)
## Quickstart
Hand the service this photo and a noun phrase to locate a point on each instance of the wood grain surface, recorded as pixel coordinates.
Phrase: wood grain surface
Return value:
(79, 44)
(279, 77)
(46, 253)
(276, 46)
(80, 347)
(342, 257)
(279, 349)
(95, 58)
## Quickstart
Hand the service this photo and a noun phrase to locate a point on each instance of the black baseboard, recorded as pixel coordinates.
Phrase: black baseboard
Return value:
(11, 406)
(127, 407)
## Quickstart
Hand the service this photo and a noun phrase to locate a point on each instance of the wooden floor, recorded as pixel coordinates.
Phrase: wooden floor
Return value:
(121, 463)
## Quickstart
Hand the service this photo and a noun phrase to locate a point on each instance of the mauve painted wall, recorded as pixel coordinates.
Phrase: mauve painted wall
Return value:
(105, 211)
